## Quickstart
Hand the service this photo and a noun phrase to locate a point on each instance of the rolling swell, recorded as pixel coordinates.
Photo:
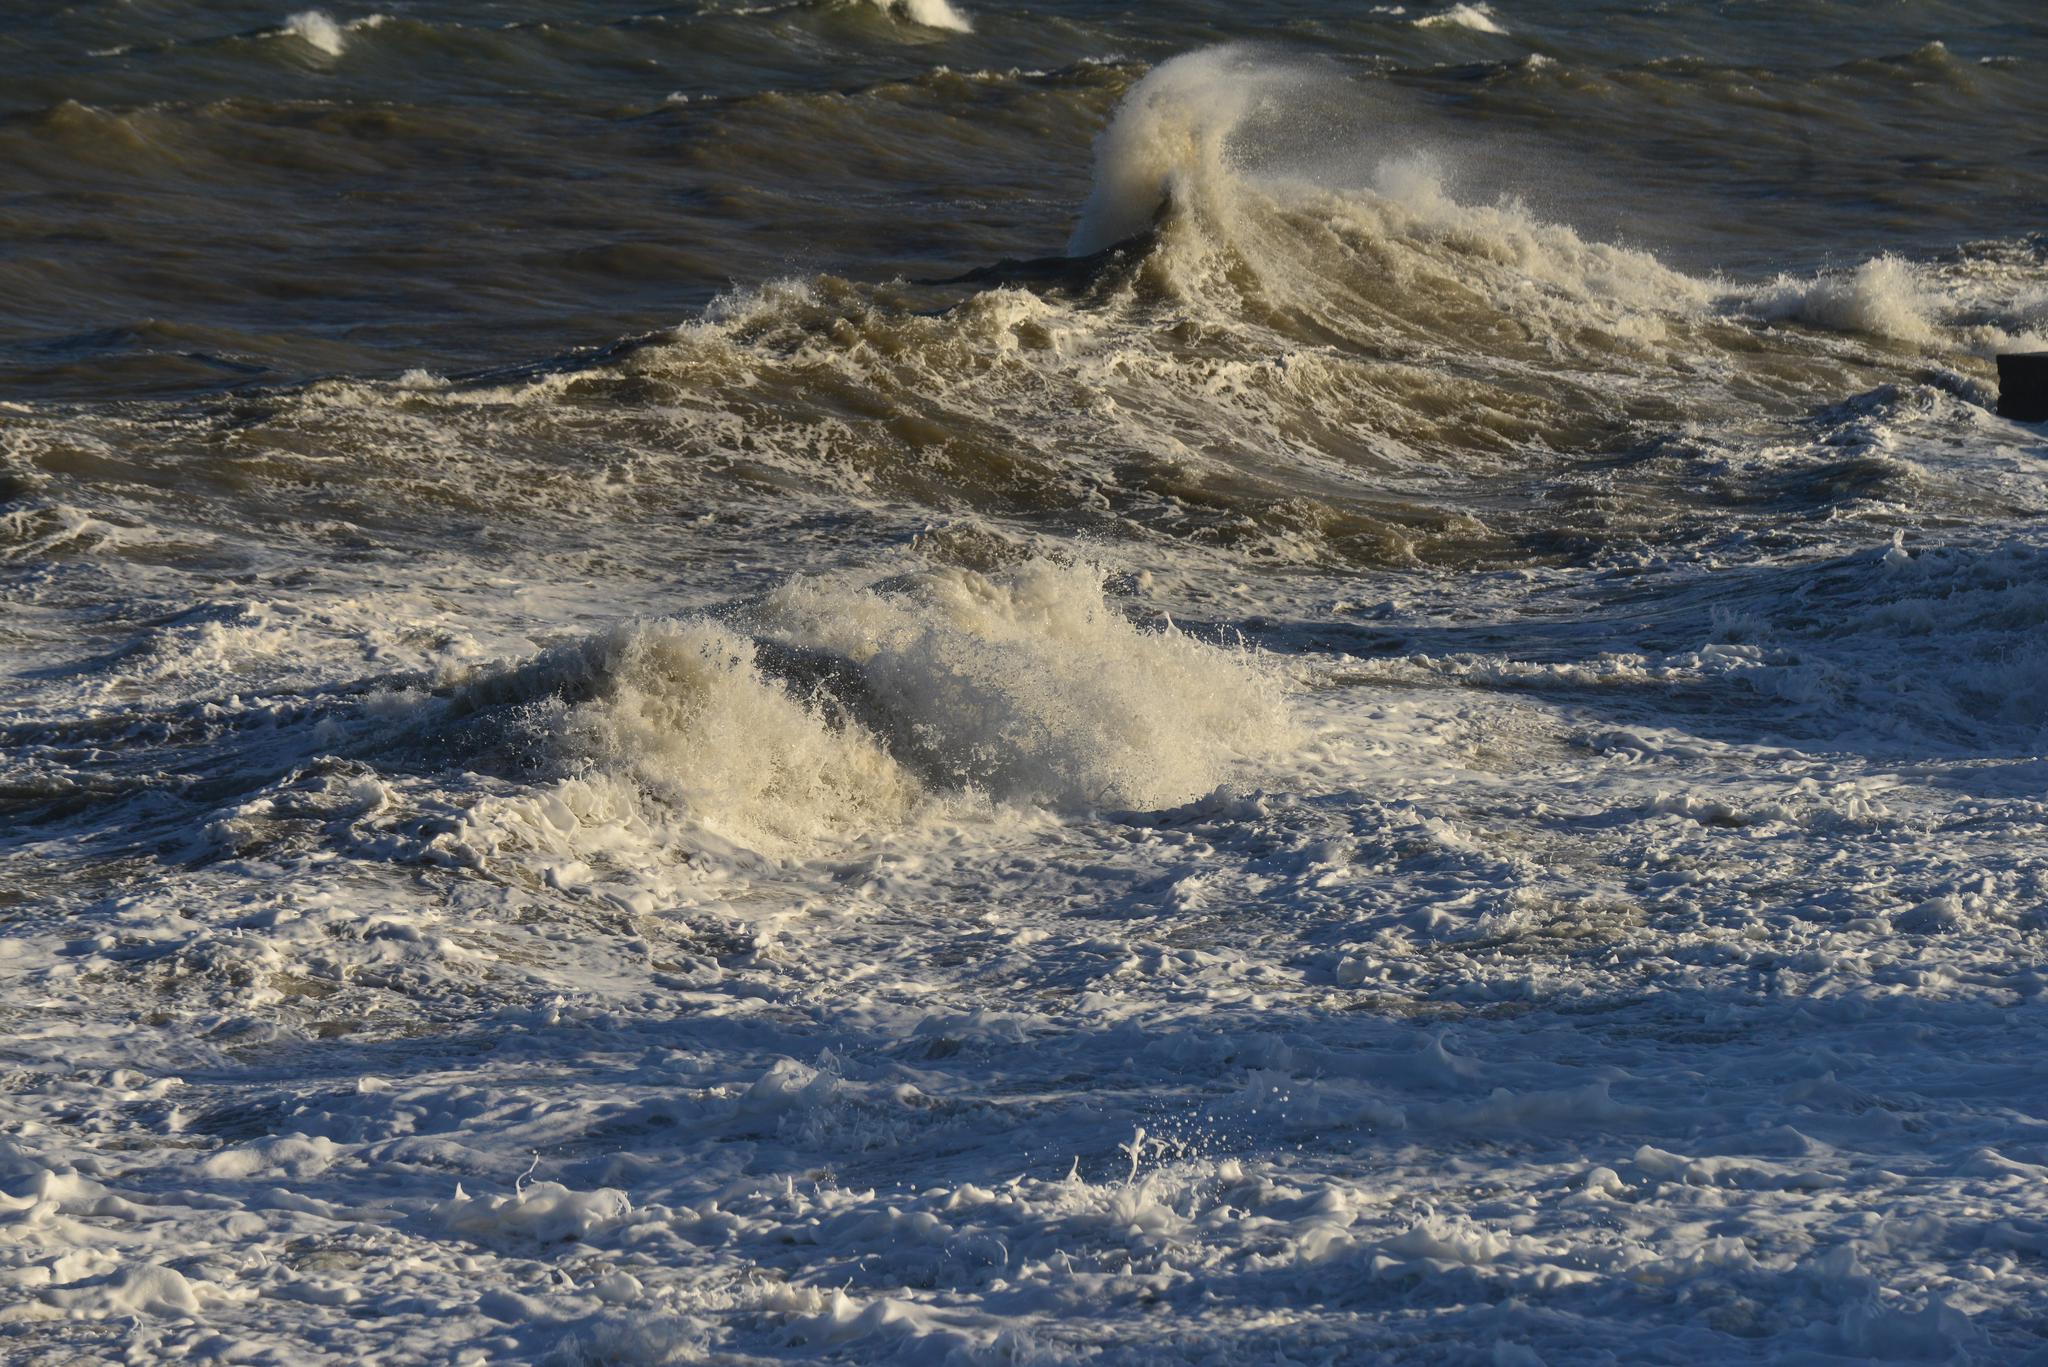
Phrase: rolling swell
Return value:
(1256, 344)
(1340, 347)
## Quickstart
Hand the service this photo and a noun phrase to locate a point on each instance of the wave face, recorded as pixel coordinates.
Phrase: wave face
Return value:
(930, 681)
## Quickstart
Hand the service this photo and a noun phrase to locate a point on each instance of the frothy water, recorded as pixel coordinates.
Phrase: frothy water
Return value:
(846, 709)
(940, 14)
(962, 684)
(1029, 686)
(1171, 140)
(1477, 18)
(317, 30)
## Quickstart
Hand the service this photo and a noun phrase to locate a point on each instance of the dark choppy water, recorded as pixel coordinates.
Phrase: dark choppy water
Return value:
(949, 682)
(198, 198)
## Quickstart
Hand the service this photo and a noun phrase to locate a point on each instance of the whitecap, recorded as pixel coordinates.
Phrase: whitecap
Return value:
(841, 708)
(929, 13)
(317, 30)
(1477, 17)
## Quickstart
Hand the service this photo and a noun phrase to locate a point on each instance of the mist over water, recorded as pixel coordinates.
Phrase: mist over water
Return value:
(950, 682)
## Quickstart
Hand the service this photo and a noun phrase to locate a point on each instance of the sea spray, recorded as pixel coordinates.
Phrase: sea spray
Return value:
(1172, 140)
(1029, 685)
(841, 706)
(1266, 158)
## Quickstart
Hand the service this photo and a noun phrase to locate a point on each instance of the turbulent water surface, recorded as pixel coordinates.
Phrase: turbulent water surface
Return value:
(1188, 682)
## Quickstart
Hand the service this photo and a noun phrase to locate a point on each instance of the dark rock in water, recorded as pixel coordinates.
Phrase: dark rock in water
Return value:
(2023, 386)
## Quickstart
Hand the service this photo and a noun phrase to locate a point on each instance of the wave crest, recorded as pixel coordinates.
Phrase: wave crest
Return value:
(1294, 182)
(1983, 310)
(1172, 140)
(929, 14)
(834, 709)
(1029, 685)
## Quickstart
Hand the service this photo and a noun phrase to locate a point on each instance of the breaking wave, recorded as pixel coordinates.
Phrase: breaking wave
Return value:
(940, 14)
(1900, 301)
(1478, 18)
(318, 30)
(1295, 325)
(834, 709)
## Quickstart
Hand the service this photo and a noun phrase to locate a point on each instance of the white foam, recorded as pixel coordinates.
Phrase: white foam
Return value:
(540, 1215)
(686, 713)
(1030, 686)
(1677, 890)
(941, 14)
(1884, 297)
(1478, 18)
(1171, 138)
(1981, 307)
(1308, 222)
(1021, 687)
(317, 30)
(1506, 241)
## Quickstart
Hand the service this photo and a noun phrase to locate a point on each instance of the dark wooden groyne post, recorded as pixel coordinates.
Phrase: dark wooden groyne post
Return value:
(2023, 386)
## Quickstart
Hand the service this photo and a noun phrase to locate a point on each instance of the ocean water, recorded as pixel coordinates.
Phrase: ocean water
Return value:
(971, 683)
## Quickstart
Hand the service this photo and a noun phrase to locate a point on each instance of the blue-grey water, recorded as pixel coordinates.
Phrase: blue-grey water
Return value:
(961, 682)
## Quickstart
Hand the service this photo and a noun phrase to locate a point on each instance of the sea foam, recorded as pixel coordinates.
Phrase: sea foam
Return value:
(685, 710)
(838, 708)
(1029, 685)
(1478, 18)
(317, 30)
(1884, 297)
(1217, 137)
(929, 13)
